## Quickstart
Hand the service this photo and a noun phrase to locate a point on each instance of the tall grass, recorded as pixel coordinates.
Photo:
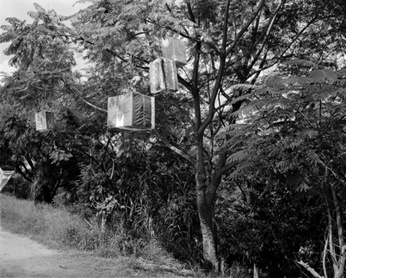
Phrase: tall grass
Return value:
(53, 226)
(56, 227)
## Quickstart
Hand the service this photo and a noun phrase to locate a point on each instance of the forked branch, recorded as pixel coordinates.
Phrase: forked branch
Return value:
(245, 27)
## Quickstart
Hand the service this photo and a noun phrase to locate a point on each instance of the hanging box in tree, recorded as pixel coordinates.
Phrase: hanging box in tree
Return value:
(163, 76)
(44, 120)
(131, 111)
(173, 49)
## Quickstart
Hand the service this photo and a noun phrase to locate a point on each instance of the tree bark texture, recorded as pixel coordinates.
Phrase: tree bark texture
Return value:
(205, 207)
(209, 233)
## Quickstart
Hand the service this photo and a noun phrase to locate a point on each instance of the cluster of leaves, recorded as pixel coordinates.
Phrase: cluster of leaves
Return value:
(294, 130)
(287, 117)
(38, 51)
(44, 160)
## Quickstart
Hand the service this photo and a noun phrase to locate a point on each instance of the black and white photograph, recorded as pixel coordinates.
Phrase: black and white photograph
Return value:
(182, 138)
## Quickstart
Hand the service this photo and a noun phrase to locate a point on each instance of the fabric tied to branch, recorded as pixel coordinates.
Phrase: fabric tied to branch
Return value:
(4, 178)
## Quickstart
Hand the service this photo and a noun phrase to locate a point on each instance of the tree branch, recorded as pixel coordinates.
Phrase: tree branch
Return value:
(107, 49)
(194, 39)
(277, 59)
(175, 149)
(190, 11)
(221, 168)
(81, 98)
(186, 84)
(341, 240)
(225, 28)
(245, 27)
(194, 89)
(338, 220)
(330, 237)
(267, 32)
(221, 70)
(324, 257)
(309, 269)
(22, 173)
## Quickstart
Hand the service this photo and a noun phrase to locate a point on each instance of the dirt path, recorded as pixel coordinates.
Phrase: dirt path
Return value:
(23, 257)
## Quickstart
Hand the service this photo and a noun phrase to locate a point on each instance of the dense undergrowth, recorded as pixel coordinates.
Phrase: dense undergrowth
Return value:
(248, 236)
(57, 227)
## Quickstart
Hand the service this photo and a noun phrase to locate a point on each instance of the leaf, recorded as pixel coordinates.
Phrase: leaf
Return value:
(119, 26)
(241, 87)
(313, 158)
(6, 27)
(59, 155)
(240, 170)
(13, 20)
(238, 156)
(39, 8)
(321, 75)
(243, 97)
(6, 37)
(232, 130)
(297, 80)
(301, 62)
(33, 15)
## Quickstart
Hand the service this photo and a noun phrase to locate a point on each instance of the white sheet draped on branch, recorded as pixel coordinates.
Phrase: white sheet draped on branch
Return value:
(4, 177)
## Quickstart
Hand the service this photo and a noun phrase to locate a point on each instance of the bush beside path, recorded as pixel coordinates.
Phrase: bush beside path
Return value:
(21, 256)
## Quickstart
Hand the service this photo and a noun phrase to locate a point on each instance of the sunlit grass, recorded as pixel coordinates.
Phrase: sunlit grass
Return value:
(58, 228)
(55, 227)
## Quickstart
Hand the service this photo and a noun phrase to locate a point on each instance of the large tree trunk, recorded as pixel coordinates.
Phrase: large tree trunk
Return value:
(205, 206)
(208, 228)
(208, 231)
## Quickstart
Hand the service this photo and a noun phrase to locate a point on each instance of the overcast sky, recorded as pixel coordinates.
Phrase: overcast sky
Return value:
(20, 8)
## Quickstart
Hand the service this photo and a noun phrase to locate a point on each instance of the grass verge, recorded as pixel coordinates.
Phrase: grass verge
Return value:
(57, 228)
(54, 227)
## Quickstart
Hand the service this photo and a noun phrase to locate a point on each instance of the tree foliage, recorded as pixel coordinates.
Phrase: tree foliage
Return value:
(257, 128)
(295, 139)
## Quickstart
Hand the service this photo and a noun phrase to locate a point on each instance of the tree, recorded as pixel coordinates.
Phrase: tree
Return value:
(232, 45)
(294, 131)
(43, 60)
(5, 159)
